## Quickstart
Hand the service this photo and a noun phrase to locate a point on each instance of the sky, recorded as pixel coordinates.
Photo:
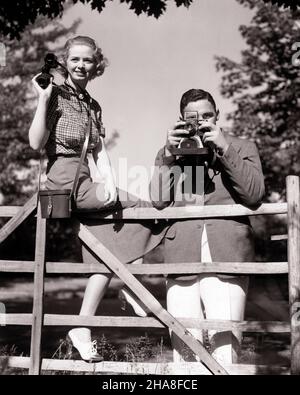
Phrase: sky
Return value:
(152, 62)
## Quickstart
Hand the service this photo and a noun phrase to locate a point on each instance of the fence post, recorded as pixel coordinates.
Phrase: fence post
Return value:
(38, 296)
(293, 200)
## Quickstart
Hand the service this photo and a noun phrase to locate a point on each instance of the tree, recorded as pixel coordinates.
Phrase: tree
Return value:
(293, 4)
(18, 162)
(23, 61)
(13, 23)
(265, 87)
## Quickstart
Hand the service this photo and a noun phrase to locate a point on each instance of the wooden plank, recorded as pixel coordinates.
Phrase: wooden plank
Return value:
(145, 368)
(149, 300)
(151, 268)
(16, 319)
(9, 211)
(38, 296)
(147, 322)
(109, 321)
(22, 214)
(293, 199)
(16, 266)
(279, 237)
(183, 267)
(176, 212)
(213, 211)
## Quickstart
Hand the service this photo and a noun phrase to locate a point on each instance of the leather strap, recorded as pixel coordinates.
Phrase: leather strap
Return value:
(83, 152)
(82, 156)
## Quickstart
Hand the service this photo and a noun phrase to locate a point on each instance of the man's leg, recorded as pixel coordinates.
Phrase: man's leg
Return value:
(223, 299)
(183, 301)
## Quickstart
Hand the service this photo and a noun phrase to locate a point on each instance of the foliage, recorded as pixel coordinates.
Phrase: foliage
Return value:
(18, 162)
(107, 350)
(265, 87)
(139, 350)
(7, 351)
(285, 3)
(13, 23)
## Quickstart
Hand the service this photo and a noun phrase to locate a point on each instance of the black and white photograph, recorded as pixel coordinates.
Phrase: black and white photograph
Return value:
(149, 190)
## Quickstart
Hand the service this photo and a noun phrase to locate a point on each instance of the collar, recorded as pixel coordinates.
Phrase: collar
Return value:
(83, 95)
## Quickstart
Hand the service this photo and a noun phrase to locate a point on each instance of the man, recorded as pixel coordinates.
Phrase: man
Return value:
(230, 174)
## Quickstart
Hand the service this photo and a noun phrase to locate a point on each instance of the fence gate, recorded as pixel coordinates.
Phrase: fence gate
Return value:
(162, 318)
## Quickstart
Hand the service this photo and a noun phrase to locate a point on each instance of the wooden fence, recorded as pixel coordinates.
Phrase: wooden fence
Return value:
(161, 318)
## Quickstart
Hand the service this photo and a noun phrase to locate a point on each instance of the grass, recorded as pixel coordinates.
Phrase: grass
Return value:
(142, 349)
(9, 351)
(256, 349)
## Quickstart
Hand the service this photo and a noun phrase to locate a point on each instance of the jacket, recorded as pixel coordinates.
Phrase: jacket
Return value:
(235, 178)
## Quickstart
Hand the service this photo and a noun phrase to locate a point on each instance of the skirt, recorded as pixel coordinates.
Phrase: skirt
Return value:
(129, 240)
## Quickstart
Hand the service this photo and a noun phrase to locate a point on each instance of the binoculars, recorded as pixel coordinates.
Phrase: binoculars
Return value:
(50, 62)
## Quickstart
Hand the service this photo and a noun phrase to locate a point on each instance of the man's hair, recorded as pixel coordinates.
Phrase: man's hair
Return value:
(193, 95)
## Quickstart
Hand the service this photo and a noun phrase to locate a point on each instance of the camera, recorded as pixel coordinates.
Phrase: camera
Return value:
(191, 144)
(50, 62)
(193, 140)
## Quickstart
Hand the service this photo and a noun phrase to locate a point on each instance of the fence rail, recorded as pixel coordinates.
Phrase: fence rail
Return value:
(155, 268)
(40, 266)
(141, 213)
(187, 368)
(147, 322)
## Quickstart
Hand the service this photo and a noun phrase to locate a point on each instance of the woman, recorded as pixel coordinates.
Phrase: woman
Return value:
(59, 126)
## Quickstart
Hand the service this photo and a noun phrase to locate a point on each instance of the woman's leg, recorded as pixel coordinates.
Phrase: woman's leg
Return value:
(223, 299)
(126, 295)
(183, 301)
(94, 292)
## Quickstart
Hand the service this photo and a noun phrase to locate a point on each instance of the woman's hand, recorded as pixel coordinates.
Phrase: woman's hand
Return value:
(214, 137)
(43, 93)
(38, 132)
(110, 192)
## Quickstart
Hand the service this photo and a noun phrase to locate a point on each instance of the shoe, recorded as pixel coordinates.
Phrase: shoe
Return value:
(87, 350)
(125, 296)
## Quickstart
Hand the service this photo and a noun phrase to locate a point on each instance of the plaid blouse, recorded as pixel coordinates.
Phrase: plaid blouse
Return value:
(67, 118)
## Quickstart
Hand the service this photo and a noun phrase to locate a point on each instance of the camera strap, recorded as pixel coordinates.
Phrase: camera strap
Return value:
(83, 151)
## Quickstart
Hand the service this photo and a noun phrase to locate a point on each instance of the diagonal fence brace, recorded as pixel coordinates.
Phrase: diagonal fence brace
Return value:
(113, 263)
(17, 219)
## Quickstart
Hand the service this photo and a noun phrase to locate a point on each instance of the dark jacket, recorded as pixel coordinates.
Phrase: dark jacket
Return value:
(238, 179)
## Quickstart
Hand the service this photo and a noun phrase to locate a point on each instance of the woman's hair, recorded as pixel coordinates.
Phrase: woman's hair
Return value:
(193, 95)
(101, 61)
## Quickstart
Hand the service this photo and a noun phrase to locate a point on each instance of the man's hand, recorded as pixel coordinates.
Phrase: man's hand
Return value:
(174, 136)
(214, 137)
